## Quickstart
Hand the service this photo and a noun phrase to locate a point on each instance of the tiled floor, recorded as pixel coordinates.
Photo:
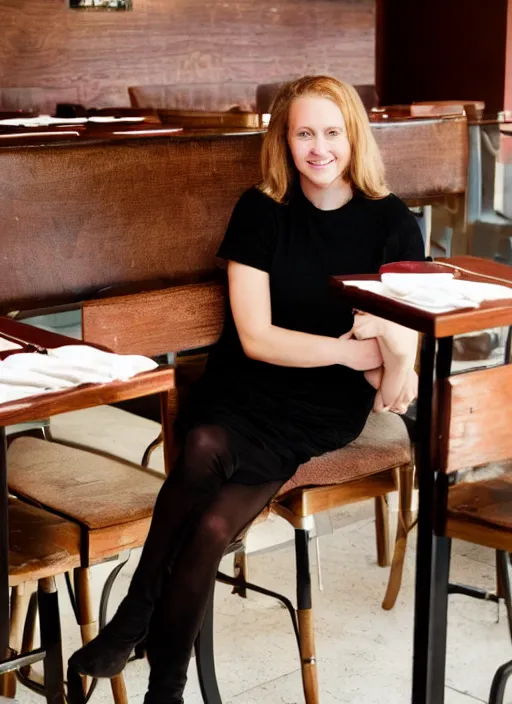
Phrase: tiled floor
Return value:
(364, 653)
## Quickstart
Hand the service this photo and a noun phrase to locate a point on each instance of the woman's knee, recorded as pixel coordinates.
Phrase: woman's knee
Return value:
(205, 456)
(215, 531)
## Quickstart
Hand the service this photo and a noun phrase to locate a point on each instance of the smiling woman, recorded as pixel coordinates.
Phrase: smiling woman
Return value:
(284, 383)
(100, 4)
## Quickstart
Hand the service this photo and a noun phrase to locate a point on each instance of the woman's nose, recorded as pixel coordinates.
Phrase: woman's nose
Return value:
(319, 145)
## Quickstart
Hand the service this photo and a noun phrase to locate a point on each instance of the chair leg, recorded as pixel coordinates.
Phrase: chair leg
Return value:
(505, 582)
(205, 658)
(405, 483)
(305, 618)
(49, 619)
(150, 449)
(20, 597)
(382, 531)
(499, 683)
(89, 627)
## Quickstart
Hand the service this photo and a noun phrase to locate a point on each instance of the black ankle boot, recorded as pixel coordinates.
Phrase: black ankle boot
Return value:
(168, 673)
(155, 699)
(107, 654)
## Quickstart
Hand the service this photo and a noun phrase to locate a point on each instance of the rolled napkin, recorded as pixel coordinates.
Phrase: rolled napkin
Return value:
(434, 292)
(29, 373)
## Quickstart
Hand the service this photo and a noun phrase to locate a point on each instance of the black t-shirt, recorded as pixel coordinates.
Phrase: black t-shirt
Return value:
(300, 247)
(294, 410)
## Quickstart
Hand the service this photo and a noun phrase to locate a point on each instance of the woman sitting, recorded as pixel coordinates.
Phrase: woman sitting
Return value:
(286, 382)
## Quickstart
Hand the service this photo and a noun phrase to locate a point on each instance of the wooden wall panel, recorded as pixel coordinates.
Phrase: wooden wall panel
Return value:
(441, 50)
(91, 57)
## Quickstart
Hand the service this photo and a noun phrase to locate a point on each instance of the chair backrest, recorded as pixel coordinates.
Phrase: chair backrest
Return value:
(170, 320)
(266, 92)
(475, 418)
(425, 159)
(195, 96)
(78, 219)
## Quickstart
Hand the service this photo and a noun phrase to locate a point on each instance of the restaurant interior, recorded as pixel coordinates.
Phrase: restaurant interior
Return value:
(380, 573)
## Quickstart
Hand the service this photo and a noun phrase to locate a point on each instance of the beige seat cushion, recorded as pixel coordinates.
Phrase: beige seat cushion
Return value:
(383, 444)
(41, 544)
(93, 490)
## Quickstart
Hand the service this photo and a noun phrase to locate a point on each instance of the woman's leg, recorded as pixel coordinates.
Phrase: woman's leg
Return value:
(207, 460)
(181, 608)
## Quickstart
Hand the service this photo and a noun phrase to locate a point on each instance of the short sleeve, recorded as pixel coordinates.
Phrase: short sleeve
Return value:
(405, 241)
(250, 234)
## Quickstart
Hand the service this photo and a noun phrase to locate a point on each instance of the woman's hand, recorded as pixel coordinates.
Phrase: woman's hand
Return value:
(408, 393)
(400, 342)
(361, 355)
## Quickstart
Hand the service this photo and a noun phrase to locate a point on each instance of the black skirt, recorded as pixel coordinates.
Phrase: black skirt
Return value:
(278, 433)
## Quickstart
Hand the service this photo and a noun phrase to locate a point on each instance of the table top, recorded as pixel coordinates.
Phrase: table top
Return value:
(97, 133)
(489, 314)
(41, 406)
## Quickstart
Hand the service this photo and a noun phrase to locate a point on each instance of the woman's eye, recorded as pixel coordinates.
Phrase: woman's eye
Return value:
(304, 134)
(334, 133)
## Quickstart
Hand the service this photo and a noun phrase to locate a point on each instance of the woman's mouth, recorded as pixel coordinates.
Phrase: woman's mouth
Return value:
(320, 163)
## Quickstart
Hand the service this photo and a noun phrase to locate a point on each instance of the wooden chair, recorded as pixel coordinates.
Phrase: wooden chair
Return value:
(474, 420)
(376, 464)
(112, 519)
(41, 547)
(220, 97)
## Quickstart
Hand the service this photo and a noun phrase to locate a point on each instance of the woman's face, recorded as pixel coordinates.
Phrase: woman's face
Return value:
(318, 142)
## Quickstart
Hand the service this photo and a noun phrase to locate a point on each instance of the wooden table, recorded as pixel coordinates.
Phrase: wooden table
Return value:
(435, 363)
(160, 381)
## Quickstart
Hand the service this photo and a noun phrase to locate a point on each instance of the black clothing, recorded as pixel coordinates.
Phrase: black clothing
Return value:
(250, 423)
(297, 413)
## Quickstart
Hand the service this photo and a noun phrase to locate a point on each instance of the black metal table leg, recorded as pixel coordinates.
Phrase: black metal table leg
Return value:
(435, 362)
(4, 549)
(425, 522)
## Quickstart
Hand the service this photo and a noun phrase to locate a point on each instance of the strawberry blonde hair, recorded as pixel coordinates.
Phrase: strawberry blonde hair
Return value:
(365, 171)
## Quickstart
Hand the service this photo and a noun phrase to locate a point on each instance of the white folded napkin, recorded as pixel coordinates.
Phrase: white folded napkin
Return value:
(438, 293)
(28, 373)
(100, 119)
(42, 121)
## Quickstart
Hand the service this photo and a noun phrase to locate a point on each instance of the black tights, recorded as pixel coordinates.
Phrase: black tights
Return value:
(199, 511)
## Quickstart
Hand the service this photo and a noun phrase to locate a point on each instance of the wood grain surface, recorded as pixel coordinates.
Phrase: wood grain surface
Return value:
(477, 418)
(91, 58)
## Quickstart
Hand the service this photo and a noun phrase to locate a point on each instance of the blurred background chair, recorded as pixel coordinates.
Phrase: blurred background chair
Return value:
(217, 97)
(266, 92)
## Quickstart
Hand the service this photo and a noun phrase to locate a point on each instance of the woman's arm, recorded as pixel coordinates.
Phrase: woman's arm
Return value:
(398, 347)
(249, 295)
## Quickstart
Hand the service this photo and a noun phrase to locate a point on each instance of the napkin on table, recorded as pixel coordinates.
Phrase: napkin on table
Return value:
(439, 293)
(28, 373)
